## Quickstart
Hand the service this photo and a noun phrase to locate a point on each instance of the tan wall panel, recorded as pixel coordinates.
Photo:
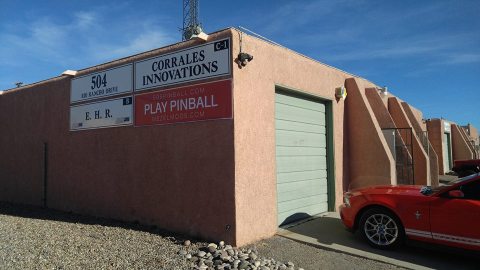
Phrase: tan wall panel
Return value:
(460, 149)
(379, 108)
(212, 179)
(179, 177)
(365, 136)
(415, 118)
(254, 93)
(418, 115)
(435, 136)
(421, 162)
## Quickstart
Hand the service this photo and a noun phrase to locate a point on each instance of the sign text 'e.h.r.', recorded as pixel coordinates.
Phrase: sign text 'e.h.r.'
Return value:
(108, 113)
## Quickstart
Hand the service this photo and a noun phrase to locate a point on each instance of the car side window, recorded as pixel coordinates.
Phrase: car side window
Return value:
(471, 190)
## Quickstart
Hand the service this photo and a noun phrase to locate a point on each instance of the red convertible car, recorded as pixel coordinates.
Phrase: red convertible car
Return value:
(387, 215)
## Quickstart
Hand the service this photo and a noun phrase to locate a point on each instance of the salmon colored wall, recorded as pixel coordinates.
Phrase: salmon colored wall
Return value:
(214, 179)
(416, 124)
(433, 157)
(379, 108)
(365, 136)
(467, 139)
(385, 97)
(254, 99)
(179, 177)
(421, 162)
(418, 115)
(385, 120)
(473, 133)
(25, 126)
(435, 136)
(460, 148)
(414, 116)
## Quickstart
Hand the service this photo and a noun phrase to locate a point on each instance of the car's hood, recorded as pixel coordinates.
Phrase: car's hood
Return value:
(399, 190)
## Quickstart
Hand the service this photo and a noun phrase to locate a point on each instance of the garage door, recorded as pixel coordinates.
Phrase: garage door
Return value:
(301, 138)
(447, 156)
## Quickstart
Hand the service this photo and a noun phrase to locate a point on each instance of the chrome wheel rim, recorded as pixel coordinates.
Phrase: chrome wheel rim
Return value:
(381, 229)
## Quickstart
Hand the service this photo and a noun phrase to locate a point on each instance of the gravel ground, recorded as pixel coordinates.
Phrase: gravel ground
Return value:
(35, 238)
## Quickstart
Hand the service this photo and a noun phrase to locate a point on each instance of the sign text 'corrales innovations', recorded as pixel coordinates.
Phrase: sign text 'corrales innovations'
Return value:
(200, 62)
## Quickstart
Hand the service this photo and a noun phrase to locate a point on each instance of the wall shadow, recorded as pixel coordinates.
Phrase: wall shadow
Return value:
(36, 212)
(294, 218)
(331, 233)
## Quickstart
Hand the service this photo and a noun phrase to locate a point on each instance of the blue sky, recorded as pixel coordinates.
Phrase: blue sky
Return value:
(427, 52)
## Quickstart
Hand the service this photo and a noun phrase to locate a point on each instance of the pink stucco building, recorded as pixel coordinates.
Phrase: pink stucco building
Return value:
(200, 138)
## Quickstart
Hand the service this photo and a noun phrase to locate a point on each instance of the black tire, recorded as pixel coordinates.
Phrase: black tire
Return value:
(381, 228)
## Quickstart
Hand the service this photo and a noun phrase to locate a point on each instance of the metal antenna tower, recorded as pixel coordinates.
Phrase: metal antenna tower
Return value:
(191, 23)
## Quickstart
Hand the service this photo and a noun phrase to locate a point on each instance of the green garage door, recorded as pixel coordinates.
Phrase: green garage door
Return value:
(301, 158)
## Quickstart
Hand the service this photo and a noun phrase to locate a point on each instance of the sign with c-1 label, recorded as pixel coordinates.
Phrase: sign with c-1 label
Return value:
(204, 61)
(105, 83)
(108, 113)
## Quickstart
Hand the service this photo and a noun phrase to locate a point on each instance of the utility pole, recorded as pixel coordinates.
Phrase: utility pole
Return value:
(191, 23)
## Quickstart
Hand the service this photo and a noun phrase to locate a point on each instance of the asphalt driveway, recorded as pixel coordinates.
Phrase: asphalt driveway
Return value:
(328, 232)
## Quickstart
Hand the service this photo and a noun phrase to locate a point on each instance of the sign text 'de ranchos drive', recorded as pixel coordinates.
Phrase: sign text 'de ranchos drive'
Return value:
(186, 104)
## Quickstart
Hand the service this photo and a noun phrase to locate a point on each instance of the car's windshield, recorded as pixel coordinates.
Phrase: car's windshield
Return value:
(427, 190)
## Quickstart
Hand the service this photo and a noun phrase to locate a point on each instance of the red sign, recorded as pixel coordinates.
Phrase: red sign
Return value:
(186, 104)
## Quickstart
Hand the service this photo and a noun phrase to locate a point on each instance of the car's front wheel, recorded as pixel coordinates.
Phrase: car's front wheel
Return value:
(381, 228)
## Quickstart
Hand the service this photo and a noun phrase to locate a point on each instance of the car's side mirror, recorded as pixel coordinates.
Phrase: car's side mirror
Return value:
(456, 194)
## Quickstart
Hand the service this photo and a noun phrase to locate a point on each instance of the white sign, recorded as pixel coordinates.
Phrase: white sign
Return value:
(446, 127)
(196, 63)
(102, 84)
(109, 113)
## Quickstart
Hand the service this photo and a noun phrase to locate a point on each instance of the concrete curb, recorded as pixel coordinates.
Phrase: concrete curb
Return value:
(292, 232)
